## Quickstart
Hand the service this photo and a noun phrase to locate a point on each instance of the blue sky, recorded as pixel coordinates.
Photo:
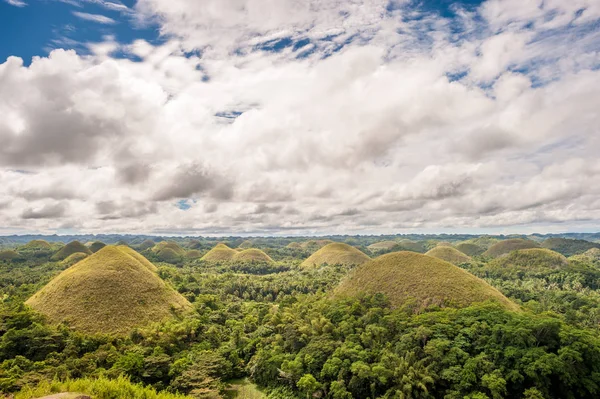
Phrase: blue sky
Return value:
(288, 117)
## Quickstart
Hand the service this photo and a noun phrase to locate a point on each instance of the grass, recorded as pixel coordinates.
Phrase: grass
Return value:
(8, 254)
(173, 246)
(313, 244)
(449, 254)
(506, 246)
(146, 244)
(243, 389)
(294, 245)
(419, 280)
(37, 244)
(110, 292)
(101, 388)
(74, 258)
(252, 255)
(569, 247)
(470, 249)
(246, 244)
(533, 259)
(169, 255)
(137, 256)
(219, 253)
(70, 249)
(382, 246)
(336, 253)
(193, 254)
(96, 246)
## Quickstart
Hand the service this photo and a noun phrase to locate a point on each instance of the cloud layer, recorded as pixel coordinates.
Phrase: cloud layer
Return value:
(321, 116)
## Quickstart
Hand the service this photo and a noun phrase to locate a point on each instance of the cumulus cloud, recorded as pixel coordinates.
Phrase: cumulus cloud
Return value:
(319, 116)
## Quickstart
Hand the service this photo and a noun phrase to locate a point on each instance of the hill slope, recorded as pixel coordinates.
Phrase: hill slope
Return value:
(109, 292)
(470, 249)
(533, 259)
(449, 254)
(252, 255)
(70, 249)
(219, 253)
(569, 247)
(336, 253)
(408, 276)
(506, 246)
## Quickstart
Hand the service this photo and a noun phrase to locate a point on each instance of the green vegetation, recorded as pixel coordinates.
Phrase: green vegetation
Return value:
(294, 245)
(404, 325)
(100, 388)
(168, 251)
(449, 254)
(193, 254)
(8, 255)
(419, 281)
(74, 258)
(109, 292)
(470, 249)
(569, 247)
(36, 245)
(252, 255)
(336, 253)
(503, 247)
(96, 246)
(220, 253)
(70, 249)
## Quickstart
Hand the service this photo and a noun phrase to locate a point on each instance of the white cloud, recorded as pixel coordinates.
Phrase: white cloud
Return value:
(372, 137)
(101, 19)
(16, 3)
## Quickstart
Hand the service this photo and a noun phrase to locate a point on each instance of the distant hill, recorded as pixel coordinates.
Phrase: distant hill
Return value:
(193, 254)
(569, 247)
(449, 254)
(169, 252)
(219, 253)
(506, 246)
(336, 253)
(112, 292)
(420, 280)
(382, 245)
(470, 249)
(70, 249)
(8, 255)
(96, 246)
(252, 255)
(246, 244)
(530, 260)
(74, 258)
(37, 245)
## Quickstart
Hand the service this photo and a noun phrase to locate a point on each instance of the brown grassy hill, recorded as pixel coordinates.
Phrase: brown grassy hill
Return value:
(219, 253)
(8, 255)
(252, 255)
(246, 244)
(109, 292)
(408, 277)
(294, 245)
(74, 258)
(137, 256)
(449, 254)
(484, 241)
(506, 246)
(70, 249)
(382, 246)
(96, 246)
(569, 247)
(146, 244)
(173, 246)
(193, 254)
(336, 253)
(37, 244)
(470, 249)
(533, 259)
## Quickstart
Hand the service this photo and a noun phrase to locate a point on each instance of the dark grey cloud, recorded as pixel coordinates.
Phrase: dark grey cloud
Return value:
(49, 211)
(134, 173)
(110, 210)
(193, 180)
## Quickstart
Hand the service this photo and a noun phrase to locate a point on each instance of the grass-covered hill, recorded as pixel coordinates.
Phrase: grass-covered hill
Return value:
(111, 292)
(419, 280)
(569, 247)
(382, 246)
(247, 244)
(193, 254)
(96, 246)
(71, 248)
(449, 254)
(530, 260)
(37, 245)
(168, 251)
(8, 255)
(74, 258)
(336, 253)
(506, 246)
(294, 245)
(470, 249)
(219, 253)
(252, 255)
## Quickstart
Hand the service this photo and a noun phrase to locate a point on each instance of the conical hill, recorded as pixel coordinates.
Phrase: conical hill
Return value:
(336, 253)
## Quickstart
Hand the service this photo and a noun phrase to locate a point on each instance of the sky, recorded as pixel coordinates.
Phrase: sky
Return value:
(289, 117)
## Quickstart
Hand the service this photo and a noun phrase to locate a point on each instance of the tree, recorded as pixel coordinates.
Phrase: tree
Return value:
(308, 384)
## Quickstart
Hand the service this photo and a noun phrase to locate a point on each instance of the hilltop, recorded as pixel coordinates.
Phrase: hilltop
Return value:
(245, 244)
(219, 253)
(470, 249)
(407, 276)
(70, 249)
(169, 252)
(382, 246)
(506, 246)
(112, 292)
(252, 255)
(533, 259)
(336, 253)
(569, 247)
(96, 246)
(449, 254)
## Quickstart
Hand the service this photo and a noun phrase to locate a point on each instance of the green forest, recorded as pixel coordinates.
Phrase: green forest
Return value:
(395, 317)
